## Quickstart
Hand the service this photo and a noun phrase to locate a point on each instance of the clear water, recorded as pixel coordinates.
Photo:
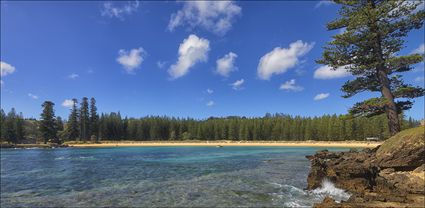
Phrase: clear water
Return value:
(159, 176)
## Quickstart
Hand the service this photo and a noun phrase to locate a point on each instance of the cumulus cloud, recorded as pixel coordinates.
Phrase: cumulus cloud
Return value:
(420, 49)
(213, 16)
(191, 51)
(237, 85)
(323, 3)
(6, 69)
(35, 97)
(326, 72)
(321, 96)
(132, 59)
(210, 91)
(68, 103)
(210, 103)
(119, 9)
(291, 86)
(280, 60)
(73, 76)
(226, 64)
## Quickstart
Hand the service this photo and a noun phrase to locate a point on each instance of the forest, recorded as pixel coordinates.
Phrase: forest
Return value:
(84, 124)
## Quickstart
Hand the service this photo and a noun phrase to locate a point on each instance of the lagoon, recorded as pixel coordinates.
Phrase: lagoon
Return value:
(159, 176)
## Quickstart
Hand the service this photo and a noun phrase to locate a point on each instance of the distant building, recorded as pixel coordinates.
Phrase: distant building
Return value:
(372, 139)
(423, 122)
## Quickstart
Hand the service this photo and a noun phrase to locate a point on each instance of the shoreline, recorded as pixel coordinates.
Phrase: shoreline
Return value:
(353, 144)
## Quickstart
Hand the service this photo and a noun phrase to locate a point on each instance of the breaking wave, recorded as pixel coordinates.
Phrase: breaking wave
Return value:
(329, 189)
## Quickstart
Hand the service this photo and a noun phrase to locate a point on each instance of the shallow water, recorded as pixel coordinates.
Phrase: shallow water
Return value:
(159, 176)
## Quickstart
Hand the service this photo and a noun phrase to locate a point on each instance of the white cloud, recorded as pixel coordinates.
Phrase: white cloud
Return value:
(132, 59)
(291, 86)
(6, 69)
(420, 49)
(210, 103)
(73, 76)
(35, 97)
(191, 51)
(326, 72)
(280, 60)
(210, 91)
(323, 3)
(214, 16)
(226, 64)
(67, 103)
(161, 64)
(112, 10)
(237, 85)
(321, 96)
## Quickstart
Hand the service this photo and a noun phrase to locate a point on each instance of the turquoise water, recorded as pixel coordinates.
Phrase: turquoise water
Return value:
(157, 176)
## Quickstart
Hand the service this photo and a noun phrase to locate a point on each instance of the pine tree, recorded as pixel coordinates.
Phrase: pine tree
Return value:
(48, 127)
(59, 123)
(10, 127)
(2, 124)
(72, 127)
(94, 119)
(84, 119)
(374, 32)
(20, 132)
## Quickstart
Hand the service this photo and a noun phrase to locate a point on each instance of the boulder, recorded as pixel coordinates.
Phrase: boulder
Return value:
(391, 175)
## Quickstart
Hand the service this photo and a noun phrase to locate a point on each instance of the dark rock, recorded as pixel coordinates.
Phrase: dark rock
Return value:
(391, 175)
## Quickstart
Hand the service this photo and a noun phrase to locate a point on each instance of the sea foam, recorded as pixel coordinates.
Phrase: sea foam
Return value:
(329, 189)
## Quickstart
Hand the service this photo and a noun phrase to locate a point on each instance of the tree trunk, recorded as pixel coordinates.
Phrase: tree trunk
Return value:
(391, 107)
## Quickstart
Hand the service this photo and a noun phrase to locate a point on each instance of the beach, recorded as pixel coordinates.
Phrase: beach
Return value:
(352, 144)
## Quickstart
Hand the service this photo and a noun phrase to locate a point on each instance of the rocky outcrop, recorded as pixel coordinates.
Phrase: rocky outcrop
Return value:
(391, 175)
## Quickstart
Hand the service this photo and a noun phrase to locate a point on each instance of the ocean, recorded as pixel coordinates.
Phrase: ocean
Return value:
(160, 177)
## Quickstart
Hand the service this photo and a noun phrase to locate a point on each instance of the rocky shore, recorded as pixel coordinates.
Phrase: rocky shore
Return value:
(391, 175)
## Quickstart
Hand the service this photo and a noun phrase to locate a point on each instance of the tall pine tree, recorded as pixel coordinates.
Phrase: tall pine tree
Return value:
(368, 49)
(72, 127)
(94, 120)
(48, 127)
(84, 119)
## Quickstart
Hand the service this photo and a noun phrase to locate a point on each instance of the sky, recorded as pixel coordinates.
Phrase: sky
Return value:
(182, 59)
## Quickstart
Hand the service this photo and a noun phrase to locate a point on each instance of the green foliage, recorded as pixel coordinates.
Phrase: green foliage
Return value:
(374, 32)
(72, 127)
(272, 127)
(84, 120)
(94, 119)
(48, 128)
(12, 127)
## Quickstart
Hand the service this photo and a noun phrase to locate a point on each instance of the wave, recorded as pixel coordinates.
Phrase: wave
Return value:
(329, 189)
(292, 196)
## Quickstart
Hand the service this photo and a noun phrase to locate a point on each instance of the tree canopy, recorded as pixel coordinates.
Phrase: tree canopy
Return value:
(373, 34)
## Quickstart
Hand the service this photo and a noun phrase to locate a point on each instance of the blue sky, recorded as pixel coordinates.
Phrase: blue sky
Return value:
(176, 58)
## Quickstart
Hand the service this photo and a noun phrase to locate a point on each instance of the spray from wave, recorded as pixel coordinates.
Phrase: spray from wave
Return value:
(296, 197)
(329, 189)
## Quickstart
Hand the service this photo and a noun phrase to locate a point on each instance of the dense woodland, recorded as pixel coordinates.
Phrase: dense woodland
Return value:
(84, 124)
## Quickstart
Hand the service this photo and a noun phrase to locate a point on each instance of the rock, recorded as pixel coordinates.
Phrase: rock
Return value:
(391, 175)
(404, 151)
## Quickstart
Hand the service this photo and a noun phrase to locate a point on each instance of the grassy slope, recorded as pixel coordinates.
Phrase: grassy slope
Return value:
(410, 138)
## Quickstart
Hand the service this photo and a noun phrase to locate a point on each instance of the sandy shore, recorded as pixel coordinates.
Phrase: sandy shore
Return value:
(232, 143)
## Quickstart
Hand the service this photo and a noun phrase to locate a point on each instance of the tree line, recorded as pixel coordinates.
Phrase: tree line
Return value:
(84, 124)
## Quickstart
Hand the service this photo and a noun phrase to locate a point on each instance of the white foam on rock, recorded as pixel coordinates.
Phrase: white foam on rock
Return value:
(329, 189)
